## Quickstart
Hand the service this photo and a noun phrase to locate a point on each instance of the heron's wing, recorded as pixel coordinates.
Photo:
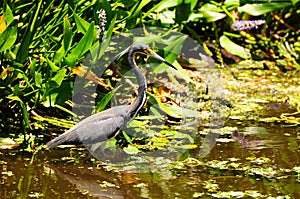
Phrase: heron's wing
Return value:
(96, 128)
(116, 111)
(99, 131)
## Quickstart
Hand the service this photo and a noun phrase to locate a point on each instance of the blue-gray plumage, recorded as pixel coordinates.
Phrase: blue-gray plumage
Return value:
(106, 124)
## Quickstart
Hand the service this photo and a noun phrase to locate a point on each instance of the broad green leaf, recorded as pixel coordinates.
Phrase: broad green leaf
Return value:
(62, 93)
(174, 48)
(295, 1)
(162, 5)
(262, 8)
(167, 17)
(136, 12)
(104, 101)
(49, 96)
(59, 77)
(67, 40)
(59, 55)
(170, 54)
(9, 17)
(211, 16)
(178, 112)
(232, 2)
(53, 67)
(81, 24)
(49, 100)
(233, 48)
(8, 37)
(155, 112)
(211, 7)
(32, 67)
(82, 47)
(131, 149)
(38, 79)
(128, 139)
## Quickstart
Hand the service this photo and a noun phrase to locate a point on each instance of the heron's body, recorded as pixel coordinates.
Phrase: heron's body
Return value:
(106, 124)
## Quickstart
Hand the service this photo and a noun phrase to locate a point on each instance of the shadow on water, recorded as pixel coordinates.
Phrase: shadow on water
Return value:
(254, 162)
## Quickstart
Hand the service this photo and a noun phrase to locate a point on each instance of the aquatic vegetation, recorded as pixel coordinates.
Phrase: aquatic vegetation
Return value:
(43, 48)
(247, 24)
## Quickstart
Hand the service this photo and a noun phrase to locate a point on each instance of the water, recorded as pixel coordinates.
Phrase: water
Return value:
(255, 161)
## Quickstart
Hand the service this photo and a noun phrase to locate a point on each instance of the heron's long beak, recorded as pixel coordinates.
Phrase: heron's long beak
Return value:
(157, 57)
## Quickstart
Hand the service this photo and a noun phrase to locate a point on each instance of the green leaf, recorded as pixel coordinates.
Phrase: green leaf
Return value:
(233, 48)
(211, 16)
(51, 85)
(162, 5)
(211, 7)
(104, 101)
(209, 12)
(59, 77)
(135, 12)
(8, 37)
(177, 134)
(38, 79)
(178, 112)
(32, 67)
(131, 149)
(170, 53)
(59, 55)
(9, 17)
(61, 94)
(81, 24)
(262, 8)
(67, 40)
(53, 67)
(82, 47)
(173, 111)
(128, 139)
(156, 113)
(28, 35)
(174, 48)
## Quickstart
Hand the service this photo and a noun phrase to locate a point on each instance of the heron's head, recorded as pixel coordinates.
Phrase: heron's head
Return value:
(142, 48)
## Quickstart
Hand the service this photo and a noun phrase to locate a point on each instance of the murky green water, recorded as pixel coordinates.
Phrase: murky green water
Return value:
(258, 156)
(256, 161)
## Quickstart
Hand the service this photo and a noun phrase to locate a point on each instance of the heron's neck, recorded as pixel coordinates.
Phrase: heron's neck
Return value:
(141, 80)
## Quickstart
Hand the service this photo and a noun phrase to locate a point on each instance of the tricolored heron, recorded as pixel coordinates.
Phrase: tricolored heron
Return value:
(106, 124)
